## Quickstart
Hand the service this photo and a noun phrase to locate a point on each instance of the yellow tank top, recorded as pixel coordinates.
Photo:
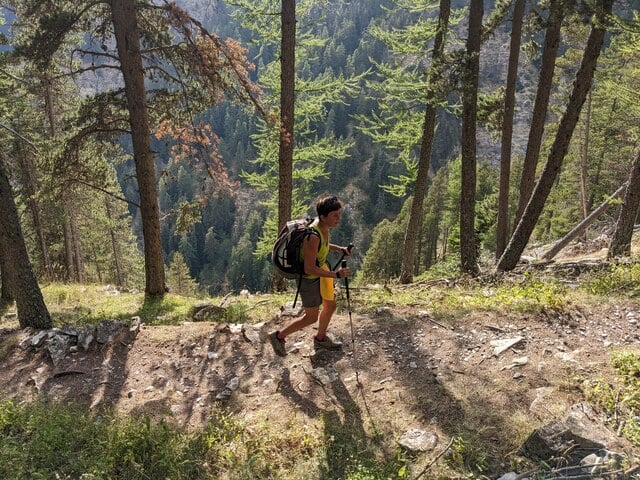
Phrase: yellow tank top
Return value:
(323, 251)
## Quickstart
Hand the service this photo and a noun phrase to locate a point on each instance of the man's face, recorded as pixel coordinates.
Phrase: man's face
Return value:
(333, 218)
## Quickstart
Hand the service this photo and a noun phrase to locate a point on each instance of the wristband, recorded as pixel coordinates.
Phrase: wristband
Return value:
(338, 274)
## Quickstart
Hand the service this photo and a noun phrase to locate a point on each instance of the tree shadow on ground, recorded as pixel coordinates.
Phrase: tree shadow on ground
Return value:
(97, 391)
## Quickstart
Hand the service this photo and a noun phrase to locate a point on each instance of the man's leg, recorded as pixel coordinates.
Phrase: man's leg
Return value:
(328, 307)
(322, 340)
(309, 318)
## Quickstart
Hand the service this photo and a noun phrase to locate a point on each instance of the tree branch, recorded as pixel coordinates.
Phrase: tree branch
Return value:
(104, 190)
(21, 137)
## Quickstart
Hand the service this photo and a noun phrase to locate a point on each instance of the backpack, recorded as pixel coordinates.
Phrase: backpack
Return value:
(287, 248)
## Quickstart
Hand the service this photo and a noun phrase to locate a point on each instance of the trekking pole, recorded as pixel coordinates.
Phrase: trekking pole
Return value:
(349, 247)
(353, 338)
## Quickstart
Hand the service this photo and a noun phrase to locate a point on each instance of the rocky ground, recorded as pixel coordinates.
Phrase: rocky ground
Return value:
(497, 375)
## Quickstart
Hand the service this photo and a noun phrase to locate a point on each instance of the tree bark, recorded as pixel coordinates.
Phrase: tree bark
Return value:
(468, 247)
(621, 241)
(6, 294)
(424, 163)
(287, 112)
(127, 35)
(568, 122)
(17, 271)
(545, 82)
(502, 233)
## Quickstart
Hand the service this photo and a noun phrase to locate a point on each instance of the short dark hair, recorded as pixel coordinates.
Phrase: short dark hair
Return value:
(326, 205)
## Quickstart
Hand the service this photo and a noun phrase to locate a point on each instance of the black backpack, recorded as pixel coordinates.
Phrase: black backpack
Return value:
(286, 254)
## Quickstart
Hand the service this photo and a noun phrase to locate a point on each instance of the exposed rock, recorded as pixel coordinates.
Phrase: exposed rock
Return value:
(569, 440)
(39, 338)
(324, 376)
(500, 346)
(600, 462)
(108, 329)
(517, 362)
(251, 333)
(85, 336)
(136, 325)
(233, 384)
(208, 312)
(539, 406)
(228, 390)
(58, 346)
(417, 440)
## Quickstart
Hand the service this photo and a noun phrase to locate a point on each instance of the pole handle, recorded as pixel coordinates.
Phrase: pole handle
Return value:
(342, 260)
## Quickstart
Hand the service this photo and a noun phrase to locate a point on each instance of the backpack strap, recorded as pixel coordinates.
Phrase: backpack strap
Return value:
(295, 300)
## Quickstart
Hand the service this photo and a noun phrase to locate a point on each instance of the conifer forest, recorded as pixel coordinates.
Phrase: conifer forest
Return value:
(160, 146)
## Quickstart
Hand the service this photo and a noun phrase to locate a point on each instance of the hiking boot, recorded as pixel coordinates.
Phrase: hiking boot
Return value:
(326, 343)
(277, 344)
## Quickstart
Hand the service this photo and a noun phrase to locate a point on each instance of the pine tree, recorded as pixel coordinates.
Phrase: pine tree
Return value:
(179, 280)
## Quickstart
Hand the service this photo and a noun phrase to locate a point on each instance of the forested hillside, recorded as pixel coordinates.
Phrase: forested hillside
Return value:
(513, 150)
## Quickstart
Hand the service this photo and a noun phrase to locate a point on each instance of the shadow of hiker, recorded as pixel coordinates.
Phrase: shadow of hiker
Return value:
(345, 437)
(287, 389)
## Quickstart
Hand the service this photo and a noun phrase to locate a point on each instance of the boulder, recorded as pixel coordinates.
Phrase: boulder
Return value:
(569, 440)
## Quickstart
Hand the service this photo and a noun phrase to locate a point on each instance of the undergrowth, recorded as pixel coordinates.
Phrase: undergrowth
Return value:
(620, 399)
(47, 440)
(616, 280)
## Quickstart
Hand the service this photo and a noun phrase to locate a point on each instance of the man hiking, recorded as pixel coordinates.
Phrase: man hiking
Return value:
(316, 287)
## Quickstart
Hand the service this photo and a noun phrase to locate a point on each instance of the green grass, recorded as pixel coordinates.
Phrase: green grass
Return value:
(620, 399)
(527, 296)
(45, 441)
(88, 304)
(620, 280)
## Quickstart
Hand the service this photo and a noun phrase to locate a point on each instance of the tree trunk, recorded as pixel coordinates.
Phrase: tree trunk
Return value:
(75, 241)
(17, 271)
(30, 185)
(287, 112)
(600, 162)
(6, 295)
(581, 87)
(468, 247)
(73, 255)
(127, 35)
(68, 241)
(582, 226)
(114, 243)
(502, 233)
(621, 242)
(545, 82)
(584, 163)
(424, 163)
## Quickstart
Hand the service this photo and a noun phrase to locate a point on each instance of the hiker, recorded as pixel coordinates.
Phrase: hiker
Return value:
(316, 287)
